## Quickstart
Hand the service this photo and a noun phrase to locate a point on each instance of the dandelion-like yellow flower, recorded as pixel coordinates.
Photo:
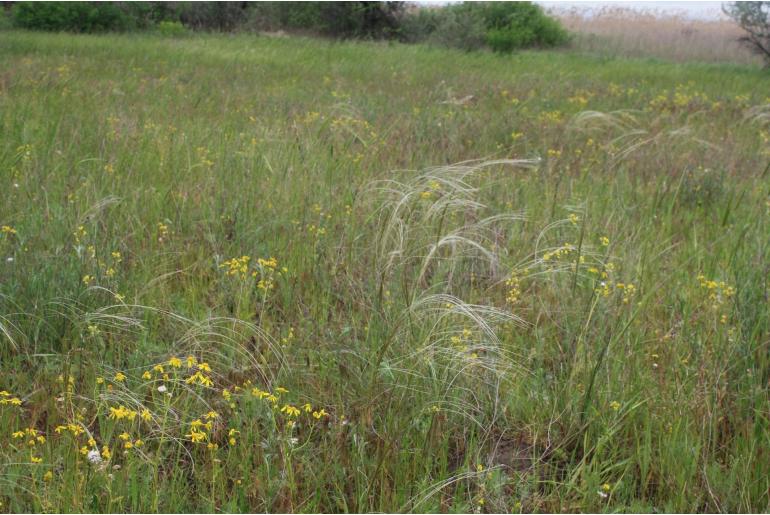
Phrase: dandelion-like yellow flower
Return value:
(122, 412)
(196, 436)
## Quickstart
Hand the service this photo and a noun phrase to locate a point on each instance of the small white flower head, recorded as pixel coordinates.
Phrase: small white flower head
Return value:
(293, 441)
(94, 456)
(603, 495)
(162, 388)
(10, 259)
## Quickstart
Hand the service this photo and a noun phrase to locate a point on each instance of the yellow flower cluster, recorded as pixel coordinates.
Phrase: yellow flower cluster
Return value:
(628, 289)
(7, 398)
(33, 434)
(603, 273)
(127, 443)
(122, 412)
(550, 117)
(580, 98)
(562, 252)
(514, 288)
(75, 429)
(719, 292)
(203, 157)
(291, 411)
(267, 268)
(162, 232)
(79, 234)
(200, 378)
(198, 429)
(237, 266)
(433, 188)
(460, 343)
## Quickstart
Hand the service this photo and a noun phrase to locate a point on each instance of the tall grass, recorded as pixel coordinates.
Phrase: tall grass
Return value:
(261, 274)
(626, 32)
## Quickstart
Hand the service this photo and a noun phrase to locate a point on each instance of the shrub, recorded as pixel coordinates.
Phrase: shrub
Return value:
(754, 19)
(70, 16)
(171, 28)
(514, 25)
(502, 26)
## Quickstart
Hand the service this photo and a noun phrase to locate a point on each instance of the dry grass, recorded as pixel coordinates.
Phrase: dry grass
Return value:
(630, 33)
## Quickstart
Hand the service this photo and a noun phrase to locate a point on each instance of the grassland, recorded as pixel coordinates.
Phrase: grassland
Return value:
(249, 274)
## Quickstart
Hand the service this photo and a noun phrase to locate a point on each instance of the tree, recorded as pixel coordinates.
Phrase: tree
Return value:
(754, 19)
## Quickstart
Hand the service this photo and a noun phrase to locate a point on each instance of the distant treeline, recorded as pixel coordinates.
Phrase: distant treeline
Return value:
(501, 26)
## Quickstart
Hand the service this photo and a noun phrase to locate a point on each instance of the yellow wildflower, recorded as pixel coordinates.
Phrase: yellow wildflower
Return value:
(196, 436)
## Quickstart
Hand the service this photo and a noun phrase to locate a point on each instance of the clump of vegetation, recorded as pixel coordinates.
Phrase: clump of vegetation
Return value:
(754, 19)
(501, 26)
(171, 28)
(71, 16)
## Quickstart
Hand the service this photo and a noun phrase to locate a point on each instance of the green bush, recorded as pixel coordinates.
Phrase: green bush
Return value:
(171, 28)
(502, 26)
(70, 16)
(514, 25)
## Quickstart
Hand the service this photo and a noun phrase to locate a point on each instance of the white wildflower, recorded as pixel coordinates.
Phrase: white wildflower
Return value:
(94, 456)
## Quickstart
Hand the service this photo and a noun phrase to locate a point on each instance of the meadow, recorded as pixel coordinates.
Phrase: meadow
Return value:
(243, 273)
